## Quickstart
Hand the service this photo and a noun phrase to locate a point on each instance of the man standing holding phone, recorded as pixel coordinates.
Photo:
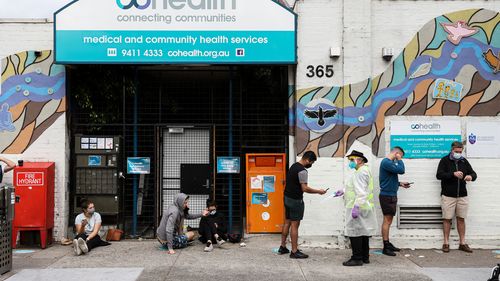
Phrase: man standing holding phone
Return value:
(390, 168)
(455, 172)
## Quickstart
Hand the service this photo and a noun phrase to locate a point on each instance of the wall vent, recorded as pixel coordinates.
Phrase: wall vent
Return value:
(422, 217)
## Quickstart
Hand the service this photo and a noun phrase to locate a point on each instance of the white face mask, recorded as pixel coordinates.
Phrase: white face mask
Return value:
(213, 212)
(457, 155)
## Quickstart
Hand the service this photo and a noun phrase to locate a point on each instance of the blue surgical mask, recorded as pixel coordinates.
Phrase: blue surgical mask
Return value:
(91, 211)
(457, 156)
(352, 165)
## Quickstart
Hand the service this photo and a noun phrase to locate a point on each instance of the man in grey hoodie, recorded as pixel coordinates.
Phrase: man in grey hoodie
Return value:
(170, 232)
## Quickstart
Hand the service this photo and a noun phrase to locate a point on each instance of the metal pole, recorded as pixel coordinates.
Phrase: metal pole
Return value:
(135, 140)
(230, 139)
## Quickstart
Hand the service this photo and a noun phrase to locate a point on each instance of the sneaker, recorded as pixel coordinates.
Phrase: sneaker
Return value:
(352, 262)
(367, 260)
(283, 250)
(209, 247)
(392, 247)
(298, 255)
(388, 252)
(77, 249)
(220, 241)
(83, 245)
(446, 248)
(465, 248)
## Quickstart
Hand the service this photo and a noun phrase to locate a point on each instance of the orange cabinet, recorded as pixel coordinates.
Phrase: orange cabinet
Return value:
(265, 184)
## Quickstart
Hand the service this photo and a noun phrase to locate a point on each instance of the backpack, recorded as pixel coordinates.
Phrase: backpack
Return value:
(495, 272)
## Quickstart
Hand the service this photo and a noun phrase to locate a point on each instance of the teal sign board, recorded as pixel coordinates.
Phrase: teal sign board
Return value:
(175, 32)
(138, 165)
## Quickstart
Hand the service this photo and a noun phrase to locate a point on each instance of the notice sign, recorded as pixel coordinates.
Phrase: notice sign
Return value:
(29, 178)
(228, 165)
(175, 31)
(138, 165)
(483, 139)
(425, 139)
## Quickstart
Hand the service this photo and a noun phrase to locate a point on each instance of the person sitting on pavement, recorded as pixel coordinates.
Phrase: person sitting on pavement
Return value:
(212, 228)
(87, 225)
(360, 221)
(170, 233)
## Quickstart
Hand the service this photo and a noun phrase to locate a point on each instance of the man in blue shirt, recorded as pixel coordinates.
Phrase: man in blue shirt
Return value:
(390, 168)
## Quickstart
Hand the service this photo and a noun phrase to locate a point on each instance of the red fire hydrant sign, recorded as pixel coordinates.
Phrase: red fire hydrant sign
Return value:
(30, 178)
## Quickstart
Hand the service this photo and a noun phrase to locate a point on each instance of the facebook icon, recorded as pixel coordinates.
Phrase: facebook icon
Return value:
(240, 52)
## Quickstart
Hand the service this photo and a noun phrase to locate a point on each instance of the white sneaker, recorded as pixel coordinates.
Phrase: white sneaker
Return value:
(77, 249)
(83, 245)
(209, 247)
(220, 242)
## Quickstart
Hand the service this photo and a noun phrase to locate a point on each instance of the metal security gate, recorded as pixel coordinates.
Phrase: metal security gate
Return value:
(186, 156)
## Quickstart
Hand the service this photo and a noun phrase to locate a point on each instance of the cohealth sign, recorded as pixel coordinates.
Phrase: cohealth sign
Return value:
(175, 32)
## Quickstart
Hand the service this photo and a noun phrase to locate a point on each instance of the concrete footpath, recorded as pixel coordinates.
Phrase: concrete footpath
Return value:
(143, 260)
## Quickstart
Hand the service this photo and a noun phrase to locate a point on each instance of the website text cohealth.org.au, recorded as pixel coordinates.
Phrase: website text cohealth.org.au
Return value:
(198, 54)
(168, 19)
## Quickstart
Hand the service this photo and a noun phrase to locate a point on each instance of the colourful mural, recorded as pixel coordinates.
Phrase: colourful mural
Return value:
(450, 68)
(32, 98)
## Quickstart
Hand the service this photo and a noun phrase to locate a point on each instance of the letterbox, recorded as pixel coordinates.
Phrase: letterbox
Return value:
(265, 177)
(34, 208)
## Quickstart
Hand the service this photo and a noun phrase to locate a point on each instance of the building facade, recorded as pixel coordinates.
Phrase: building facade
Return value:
(378, 66)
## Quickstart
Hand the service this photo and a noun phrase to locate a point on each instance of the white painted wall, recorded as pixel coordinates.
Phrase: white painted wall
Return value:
(18, 36)
(52, 146)
(362, 28)
(25, 35)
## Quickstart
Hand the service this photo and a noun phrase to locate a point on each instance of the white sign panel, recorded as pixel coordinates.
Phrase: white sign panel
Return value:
(483, 139)
(425, 139)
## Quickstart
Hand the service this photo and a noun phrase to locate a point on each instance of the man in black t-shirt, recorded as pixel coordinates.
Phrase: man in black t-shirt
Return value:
(4, 169)
(296, 185)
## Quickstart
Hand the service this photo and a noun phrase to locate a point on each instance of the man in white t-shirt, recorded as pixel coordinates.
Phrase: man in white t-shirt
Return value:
(9, 166)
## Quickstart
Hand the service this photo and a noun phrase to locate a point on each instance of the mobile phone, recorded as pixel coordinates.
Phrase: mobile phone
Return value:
(326, 189)
(410, 183)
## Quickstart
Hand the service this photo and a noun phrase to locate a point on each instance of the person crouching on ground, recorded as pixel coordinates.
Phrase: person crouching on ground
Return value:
(87, 225)
(361, 222)
(170, 232)
(212, 228)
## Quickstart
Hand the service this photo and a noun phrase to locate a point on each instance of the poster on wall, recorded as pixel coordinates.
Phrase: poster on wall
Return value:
(425, 139)
(483, 139)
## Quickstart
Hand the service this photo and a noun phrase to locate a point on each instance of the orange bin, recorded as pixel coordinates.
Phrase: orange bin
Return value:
(265, 184)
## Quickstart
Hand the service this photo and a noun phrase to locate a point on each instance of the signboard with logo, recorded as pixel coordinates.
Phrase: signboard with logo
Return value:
(29, 178)
(228, 165)
(138, 165)
(175, 31)
(425, 139)
(483, 139)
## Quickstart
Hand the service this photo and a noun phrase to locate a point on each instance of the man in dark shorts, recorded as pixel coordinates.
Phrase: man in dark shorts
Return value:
(296, 185)
(390, 168)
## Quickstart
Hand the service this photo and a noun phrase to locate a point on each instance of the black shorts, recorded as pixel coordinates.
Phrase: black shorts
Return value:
(294, 209)
(388, 204)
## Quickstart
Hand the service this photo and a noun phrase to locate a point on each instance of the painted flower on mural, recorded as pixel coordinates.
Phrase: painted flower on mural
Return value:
(32, 98)
(449, 68)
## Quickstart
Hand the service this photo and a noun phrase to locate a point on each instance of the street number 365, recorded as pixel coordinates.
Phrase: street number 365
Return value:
(319, 71)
